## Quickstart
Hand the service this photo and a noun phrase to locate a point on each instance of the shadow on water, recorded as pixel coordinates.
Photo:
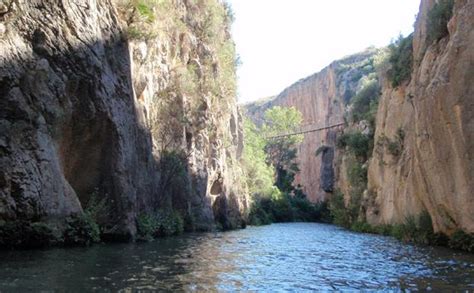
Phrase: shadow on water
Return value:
(298, 256)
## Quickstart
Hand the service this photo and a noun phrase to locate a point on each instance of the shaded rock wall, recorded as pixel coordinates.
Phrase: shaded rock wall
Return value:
(82, 107)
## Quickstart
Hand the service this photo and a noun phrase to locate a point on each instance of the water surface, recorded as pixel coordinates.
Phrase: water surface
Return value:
(279, 257)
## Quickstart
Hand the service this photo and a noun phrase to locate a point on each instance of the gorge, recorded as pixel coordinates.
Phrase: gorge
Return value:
(119, 122)
(419, 156)
(91, 105)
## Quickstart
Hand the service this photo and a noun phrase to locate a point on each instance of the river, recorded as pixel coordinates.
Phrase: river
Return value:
(279, 257)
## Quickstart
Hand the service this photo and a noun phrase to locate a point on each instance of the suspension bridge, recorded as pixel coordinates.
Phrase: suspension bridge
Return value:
(306, 128)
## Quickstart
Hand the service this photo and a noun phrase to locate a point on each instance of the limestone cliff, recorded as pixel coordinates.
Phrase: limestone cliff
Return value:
(96, 93)
(322, 99)
(435, 111)
(421, 156)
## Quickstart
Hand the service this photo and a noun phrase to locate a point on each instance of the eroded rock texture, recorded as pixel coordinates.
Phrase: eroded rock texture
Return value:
(83, 107)
(435, 110)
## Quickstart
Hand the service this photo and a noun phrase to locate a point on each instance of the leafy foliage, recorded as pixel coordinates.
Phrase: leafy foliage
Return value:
(259, 175)
(174, 180)
(144, 9)
(395, 145)
(356, 142)
(281, 151)
(162, 224)
(83, 229)
(146, 227)
(417, 230)
(261, 211)
(276, 199)
(438, 18)
(170, 223)
(342, 214)
(462, 241)
(338, 211)
(365, 102)
(401, 60)
(283, 207)
(24, 234)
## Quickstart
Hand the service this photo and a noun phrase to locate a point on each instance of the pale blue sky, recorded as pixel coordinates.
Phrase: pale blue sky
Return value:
(281, 41)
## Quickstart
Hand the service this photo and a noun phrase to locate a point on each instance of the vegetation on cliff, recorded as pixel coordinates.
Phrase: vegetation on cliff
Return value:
(78, 230)
(200, 96)
(438, 18)
(162, 125)
(401, 60)
(164, 223)
(356, 143)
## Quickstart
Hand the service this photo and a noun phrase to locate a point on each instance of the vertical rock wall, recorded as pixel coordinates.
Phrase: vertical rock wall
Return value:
(435, 110)
(82, 107)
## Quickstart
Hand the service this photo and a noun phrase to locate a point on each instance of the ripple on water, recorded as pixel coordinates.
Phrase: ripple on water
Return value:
(281, 257)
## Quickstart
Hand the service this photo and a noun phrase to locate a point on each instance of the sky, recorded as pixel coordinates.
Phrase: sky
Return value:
(282, 41)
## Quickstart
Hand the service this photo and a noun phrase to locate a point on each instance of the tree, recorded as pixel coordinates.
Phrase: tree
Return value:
(401, 60)
(281, 150)
(259, 175)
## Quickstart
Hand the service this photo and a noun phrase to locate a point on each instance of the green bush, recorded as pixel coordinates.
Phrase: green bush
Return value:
(385, 230)
(146, 227)
(357, 142)
(362, 227)
(306, 211)
(362, 103)
(338, 211)
(283, 207)
(417, 230)
(401, 60)
(462, 241)
(395, 146)
(357, 175)
(260, 212)
(81, 230)
(144, 9)
(438, 18)
(259, 175)
(162, 224)
(169, 223)
(84, 229)
(24, 234)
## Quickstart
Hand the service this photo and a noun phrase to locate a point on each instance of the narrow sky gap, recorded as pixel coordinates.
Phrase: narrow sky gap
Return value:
(282, 41)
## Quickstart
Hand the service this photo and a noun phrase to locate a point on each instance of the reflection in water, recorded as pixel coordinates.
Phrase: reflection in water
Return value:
(298, 256)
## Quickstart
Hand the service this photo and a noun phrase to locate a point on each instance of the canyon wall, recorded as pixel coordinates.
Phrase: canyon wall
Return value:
(435, 111)
(322, 100)
(419, 139)
(97, 95)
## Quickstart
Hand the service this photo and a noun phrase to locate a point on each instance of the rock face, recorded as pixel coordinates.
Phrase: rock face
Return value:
(429, 120)
(435, 111)
(321, 98)
(88, 106)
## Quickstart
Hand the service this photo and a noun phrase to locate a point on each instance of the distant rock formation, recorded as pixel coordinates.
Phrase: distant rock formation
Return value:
(321, 98)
